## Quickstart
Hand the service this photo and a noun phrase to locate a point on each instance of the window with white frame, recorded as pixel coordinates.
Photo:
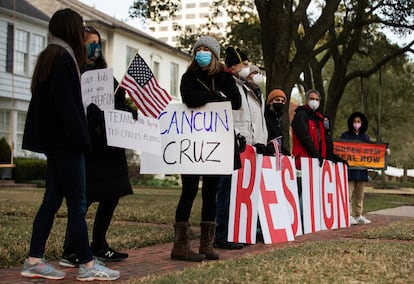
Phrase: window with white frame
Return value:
(27, 47)
(4, 123)
(130, 53)
(174, 80)
(156, 69)
(21, 120)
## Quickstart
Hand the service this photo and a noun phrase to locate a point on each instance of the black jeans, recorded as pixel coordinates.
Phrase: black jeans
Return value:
(222, 207)
(189, 192)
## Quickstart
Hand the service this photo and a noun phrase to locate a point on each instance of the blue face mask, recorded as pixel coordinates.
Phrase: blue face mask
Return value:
(94, 51)
(203, 58)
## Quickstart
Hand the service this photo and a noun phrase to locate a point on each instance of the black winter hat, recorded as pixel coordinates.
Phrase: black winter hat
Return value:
(234, 56)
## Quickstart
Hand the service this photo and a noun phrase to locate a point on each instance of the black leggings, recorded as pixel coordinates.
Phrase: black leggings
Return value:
(189, 192)
(101, 224)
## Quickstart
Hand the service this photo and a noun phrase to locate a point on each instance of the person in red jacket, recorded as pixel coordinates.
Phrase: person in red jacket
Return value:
(308, 130)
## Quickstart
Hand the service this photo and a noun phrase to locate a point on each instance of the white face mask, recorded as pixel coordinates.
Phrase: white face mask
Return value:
(314, 105)
(244, 73)
(257, 79)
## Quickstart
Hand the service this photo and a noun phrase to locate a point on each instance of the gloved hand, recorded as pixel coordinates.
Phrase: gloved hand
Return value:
(260, 148)
(241, 142)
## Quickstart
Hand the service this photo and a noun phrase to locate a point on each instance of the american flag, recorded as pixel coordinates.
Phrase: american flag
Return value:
(144, 89)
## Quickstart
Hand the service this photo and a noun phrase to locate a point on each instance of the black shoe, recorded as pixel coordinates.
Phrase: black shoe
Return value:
(227, 245)
(108, 255)
(69, 260)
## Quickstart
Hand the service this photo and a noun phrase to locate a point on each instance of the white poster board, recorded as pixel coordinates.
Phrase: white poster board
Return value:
(98, 88)
(194, 141)
(123, 131)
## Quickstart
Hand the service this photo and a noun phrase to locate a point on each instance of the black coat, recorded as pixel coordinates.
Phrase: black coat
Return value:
(106, 168)
(55, 122)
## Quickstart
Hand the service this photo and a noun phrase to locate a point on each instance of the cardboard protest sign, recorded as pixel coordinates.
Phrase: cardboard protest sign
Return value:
(359, 154)
(98, 88)
(261, 189)
(123, 131)
(194, 141)
(325, 198)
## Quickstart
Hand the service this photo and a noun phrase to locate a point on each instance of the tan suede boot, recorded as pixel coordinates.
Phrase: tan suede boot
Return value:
(208, 231)
(181, 249)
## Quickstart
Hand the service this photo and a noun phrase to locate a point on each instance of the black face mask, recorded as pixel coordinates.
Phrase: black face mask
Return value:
(277, 107)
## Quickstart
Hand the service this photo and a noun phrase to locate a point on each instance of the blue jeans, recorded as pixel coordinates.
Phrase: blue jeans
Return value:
(223, 207)
(65, 178)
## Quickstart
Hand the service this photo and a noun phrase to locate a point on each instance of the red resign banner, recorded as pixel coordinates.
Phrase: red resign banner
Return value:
(358, 154)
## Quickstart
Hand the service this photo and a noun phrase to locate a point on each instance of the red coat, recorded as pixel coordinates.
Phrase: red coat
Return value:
(308, 135)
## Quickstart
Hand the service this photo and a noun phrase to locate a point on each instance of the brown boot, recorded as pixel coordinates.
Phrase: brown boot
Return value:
(208, 231)
(181, 249)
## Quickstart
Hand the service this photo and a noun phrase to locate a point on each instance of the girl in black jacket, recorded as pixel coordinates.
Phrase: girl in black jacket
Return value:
(204, 81)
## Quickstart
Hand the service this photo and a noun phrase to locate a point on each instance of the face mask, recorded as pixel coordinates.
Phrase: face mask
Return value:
(257, 79)
(244, 73)
(277, 107)
(203, 58)
(94, 51)
(326, 125)
(357, 125)
(313, 104)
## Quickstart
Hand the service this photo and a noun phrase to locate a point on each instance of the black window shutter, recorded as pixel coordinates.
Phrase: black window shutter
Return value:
(10, 49)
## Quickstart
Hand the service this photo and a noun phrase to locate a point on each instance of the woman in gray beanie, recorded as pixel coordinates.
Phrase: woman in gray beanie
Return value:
(204, 81)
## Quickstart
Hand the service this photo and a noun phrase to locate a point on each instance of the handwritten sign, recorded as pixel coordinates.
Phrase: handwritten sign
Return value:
(194, 141)
(359, 154)
(98, 88)
(123, 131)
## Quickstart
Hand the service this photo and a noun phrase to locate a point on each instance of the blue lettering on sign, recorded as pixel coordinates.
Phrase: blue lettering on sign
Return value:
(194, 121)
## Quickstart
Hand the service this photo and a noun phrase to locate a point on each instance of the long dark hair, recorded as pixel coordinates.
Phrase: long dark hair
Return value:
(100, 61)
(67, 25)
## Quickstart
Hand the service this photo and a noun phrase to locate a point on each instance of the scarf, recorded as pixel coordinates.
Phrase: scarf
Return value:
(57, 41)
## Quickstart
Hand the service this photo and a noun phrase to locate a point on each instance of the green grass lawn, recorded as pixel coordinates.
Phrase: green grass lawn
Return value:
(146, 218)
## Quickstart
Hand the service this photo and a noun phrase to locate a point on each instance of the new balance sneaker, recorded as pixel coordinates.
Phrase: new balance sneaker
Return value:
(69, 260)
(352, 220)
(362, 220)
(108, 255)
(41, 269)
(96, 272)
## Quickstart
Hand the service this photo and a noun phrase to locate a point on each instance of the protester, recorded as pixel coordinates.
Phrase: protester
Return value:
(357, 176)
(107, 176)
(204, 81)
(250, 127)
(308, 130)
(275, 103)
(56, 126)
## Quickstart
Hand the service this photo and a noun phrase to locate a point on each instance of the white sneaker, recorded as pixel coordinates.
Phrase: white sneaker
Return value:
(97, 272)
(362, 220)
(352, 220)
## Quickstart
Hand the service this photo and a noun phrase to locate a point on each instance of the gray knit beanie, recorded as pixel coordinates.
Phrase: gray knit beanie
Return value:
(209, 42)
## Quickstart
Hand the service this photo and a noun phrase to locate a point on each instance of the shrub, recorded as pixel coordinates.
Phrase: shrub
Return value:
(29, 169)
(5, 152)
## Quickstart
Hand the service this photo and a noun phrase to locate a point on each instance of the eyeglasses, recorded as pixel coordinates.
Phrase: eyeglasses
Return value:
(314, 99)
(90, 29)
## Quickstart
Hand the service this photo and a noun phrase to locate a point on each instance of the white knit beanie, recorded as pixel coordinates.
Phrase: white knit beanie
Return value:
(209, 42)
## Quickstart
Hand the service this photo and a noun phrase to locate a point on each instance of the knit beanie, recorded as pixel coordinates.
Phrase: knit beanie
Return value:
(209, 42)
(234, 56)
(275, 94)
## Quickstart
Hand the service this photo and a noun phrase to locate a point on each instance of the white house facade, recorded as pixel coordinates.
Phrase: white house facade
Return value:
(23, 35)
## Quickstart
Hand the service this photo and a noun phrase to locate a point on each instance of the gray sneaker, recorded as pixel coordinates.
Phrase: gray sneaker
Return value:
(97, 272)
(41, 269)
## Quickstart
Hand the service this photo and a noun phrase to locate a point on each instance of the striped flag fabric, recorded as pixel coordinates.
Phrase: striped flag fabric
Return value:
(141, 85)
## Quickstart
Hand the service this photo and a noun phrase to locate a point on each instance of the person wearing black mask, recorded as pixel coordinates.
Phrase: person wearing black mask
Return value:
(275, 103)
